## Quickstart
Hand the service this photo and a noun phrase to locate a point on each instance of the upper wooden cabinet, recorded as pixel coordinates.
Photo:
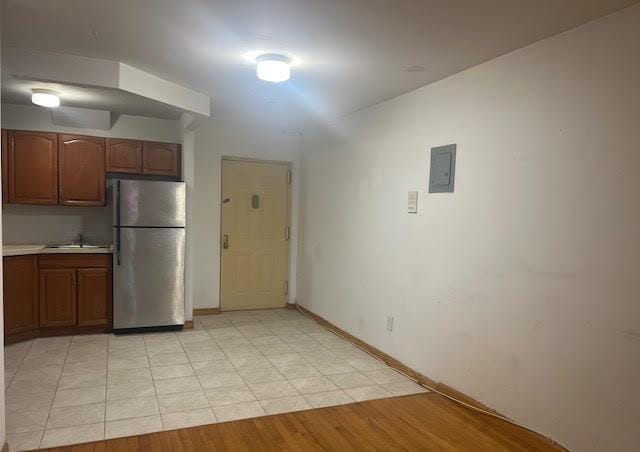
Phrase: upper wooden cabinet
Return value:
(51, 168)
(32, 167)
(124, 156)
(20, 294)
(82, 174)
(161, 159)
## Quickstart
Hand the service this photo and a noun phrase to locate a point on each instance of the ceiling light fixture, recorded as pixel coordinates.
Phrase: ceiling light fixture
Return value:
(272, 67)
(45, 98)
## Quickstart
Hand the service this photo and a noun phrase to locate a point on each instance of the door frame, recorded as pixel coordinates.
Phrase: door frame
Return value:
(287, 269)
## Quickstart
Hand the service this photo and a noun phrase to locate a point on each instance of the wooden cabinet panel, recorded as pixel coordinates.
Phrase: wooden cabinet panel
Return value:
(94, 296)
(20, 291)
(58, 297)
(32, 167)
(161, 159)
(5, 185)
(124, 156)
(82, 173)
(75, 260)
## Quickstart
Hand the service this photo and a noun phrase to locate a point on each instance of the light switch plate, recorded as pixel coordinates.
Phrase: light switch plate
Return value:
(442, 169)
(413, 202)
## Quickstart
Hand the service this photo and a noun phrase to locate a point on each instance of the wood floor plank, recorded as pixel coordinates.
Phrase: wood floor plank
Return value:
(417, 422)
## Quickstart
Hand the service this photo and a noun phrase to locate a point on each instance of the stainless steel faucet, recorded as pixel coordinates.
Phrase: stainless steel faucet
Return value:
(80, 239)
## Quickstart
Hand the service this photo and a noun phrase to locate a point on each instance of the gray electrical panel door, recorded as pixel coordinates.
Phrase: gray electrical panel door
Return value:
(442, 169)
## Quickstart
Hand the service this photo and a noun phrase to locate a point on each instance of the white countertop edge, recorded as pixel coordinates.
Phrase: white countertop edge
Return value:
(23, 250)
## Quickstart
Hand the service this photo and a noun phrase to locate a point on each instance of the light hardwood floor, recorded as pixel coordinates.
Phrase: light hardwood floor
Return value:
(415, 422)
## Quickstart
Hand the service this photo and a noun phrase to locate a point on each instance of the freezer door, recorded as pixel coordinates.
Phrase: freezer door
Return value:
(149, 203)
(148, 282)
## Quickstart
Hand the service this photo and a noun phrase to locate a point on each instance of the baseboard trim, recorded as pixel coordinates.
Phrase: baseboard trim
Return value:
(188, 324)
(206, 311)
(291, 306)
(392, 362)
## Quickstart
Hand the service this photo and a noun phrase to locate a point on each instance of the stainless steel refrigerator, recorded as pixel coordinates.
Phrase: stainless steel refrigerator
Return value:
(148, 258)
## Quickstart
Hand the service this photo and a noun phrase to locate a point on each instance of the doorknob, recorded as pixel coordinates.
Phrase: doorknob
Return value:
(225, 241)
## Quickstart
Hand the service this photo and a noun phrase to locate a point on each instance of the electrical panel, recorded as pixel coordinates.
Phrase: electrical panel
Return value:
(442, 169)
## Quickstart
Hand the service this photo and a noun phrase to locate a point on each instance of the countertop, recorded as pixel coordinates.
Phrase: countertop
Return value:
(21, 250)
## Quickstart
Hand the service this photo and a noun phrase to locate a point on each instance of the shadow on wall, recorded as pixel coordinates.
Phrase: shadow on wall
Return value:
(42, 225)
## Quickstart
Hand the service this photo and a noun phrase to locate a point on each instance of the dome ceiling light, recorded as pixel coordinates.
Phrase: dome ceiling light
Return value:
(272, 67)
(45, 98)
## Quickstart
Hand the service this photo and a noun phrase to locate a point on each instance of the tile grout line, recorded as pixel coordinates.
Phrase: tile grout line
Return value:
(55, 392)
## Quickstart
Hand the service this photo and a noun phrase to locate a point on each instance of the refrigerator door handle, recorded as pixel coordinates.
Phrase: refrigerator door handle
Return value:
(118, 244)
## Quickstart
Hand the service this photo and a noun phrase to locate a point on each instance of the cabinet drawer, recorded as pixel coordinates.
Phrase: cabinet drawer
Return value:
(75, 260)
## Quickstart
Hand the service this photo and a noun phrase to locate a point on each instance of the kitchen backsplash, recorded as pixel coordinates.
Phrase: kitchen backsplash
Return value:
(43, 225)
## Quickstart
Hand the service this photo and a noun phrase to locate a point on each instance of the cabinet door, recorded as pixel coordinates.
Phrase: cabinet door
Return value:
(161, 159)
(32, 167)
(57, 297)
(124, 156)
(20, 294)
(94, 296)
(5, 185)
(82, 175)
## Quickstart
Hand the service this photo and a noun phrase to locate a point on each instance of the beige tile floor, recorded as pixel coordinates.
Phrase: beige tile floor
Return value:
(236, 365)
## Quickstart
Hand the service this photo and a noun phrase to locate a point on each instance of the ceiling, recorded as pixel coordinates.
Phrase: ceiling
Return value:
(352, 53)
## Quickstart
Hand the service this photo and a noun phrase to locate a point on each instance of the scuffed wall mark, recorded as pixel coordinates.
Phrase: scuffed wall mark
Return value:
(633, 334)
(537, 325)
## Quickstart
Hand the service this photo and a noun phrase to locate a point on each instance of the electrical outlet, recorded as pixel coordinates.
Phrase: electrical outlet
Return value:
(389, 323)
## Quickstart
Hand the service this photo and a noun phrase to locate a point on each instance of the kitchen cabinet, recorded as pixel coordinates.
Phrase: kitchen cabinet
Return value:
(75, 290)
(94, 296)
(53, 294)
(81, 170)
(20, 292)
(32, 167)
(58, 297)
(5, 191)
(124, 156)
(161, 159)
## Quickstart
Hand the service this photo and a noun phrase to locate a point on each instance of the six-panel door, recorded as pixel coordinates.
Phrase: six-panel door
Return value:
(58, 297)
(82, 174)
(20, 275)
(32, 167)
(94, 296)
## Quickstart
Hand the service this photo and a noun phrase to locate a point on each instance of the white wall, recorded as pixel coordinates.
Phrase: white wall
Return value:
(212, 142)
(520, 289)
(42, 225)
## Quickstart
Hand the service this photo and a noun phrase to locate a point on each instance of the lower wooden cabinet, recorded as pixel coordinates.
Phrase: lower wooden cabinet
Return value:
(20, 293)
(58, 297)
(94, 296)
(56, 294)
